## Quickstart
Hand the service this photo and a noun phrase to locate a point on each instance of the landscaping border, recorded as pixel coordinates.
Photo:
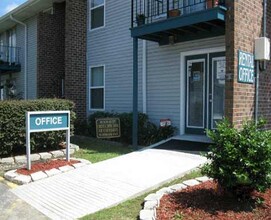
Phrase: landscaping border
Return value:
(152, 201)
(20, 179)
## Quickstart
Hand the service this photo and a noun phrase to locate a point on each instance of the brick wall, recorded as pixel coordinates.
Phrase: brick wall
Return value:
(243, 25)
(51, 52)
(75, 54)
(265, 80)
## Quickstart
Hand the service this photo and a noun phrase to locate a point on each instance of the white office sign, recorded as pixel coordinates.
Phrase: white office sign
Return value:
(47, 121)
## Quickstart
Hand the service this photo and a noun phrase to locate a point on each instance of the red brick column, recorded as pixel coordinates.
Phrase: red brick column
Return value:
(243, 25)
(51, 52)
(75, 55)
(265, 80)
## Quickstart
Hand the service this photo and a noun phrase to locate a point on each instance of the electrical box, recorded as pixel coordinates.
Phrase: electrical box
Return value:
(262, 48)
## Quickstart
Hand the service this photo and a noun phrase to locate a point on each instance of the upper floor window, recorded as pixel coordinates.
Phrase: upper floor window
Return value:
(96, 14)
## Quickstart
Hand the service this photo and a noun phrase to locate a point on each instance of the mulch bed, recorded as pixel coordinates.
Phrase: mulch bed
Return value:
(48, 165)
(206, 201)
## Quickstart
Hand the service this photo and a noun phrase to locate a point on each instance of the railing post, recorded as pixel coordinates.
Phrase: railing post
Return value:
(167, 8)
(132, 13)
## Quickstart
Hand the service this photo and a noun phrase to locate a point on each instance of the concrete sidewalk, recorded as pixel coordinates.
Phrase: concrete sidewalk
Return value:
(13, 208)
(94, 187)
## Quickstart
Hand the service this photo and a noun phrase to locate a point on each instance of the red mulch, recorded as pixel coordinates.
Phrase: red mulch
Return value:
(206, 201)
(48, 165)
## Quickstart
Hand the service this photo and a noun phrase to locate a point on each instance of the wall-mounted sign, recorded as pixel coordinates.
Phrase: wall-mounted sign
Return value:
(245, 67)
(47, 121)
(108, 128)
(220, 68)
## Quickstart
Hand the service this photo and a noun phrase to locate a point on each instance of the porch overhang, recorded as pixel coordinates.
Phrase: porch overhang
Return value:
(202, 24)
(9, 68)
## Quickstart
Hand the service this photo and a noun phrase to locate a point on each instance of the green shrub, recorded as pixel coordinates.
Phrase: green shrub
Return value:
(148, 133)
(12, 125)
(240, 159)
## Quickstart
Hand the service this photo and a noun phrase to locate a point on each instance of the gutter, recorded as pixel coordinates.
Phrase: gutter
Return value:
(25, 54)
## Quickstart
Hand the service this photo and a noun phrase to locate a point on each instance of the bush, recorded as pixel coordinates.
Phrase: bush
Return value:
(12, 125)
(148, 133)
(240, 160)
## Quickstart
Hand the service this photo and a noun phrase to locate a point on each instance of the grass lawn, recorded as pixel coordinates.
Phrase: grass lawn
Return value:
(130, 209)
(96, 150)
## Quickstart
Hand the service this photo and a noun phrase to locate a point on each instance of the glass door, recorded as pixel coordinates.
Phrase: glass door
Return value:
(195, 94)
(205, 92)
(217, 62)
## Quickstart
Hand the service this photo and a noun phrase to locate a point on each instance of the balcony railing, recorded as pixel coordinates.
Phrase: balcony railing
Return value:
(149, 11)
(9, 59)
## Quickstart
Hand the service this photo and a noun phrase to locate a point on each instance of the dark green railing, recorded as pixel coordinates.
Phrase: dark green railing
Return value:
(149, 11)
(9, 59)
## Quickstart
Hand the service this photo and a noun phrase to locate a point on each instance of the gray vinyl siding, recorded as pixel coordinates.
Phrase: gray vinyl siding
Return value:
(31, 60)
(20, 82)
(163, 77)
(112, 46)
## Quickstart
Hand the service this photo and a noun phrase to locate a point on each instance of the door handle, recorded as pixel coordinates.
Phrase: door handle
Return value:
(210, 97)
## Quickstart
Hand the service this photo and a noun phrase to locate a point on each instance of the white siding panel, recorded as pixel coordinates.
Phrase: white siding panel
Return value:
(163, 77)
(112, 46)
(32, 58)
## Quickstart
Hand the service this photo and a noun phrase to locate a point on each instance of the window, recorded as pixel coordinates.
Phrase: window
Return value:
(96, 14)
(96, 88)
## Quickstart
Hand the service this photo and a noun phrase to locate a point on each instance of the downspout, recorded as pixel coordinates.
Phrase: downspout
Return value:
(258, 65)
(144, 77)
(25, 54)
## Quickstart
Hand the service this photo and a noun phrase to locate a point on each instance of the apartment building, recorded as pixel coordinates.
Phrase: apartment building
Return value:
(43, 51)
(190, 61)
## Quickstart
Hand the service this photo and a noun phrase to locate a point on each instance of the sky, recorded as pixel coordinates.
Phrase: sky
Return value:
(8, 5)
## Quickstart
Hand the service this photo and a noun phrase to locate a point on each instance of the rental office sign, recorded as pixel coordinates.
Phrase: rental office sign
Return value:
(47, 121)
(246, 71)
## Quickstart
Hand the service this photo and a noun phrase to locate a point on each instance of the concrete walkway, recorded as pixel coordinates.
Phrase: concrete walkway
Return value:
(94, 187)
(13, 208)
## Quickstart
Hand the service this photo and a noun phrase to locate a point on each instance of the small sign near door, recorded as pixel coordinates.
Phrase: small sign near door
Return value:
(165, 122)
(221, 69)
(245, 67)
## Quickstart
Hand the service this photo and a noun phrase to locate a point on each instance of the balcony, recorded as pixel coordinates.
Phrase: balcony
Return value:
(9, 59)
(172, 21)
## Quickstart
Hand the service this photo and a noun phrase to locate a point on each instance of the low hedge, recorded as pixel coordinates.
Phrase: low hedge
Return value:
(13, 128)
(148, 132)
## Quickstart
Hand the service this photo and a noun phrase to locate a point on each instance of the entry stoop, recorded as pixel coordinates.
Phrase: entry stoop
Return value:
(195, 144)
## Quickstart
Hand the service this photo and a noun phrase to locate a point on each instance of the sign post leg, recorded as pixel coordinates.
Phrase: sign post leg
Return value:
(68, 145)
(28, 150)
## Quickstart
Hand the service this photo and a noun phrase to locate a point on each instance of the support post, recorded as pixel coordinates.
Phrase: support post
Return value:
(135, 93)
(28, 141)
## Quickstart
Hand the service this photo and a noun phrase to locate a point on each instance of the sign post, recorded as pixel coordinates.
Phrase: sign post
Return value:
(47, 121)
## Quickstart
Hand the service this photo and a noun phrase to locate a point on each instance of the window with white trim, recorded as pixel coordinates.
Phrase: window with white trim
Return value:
(96, 88)
(96, 13)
